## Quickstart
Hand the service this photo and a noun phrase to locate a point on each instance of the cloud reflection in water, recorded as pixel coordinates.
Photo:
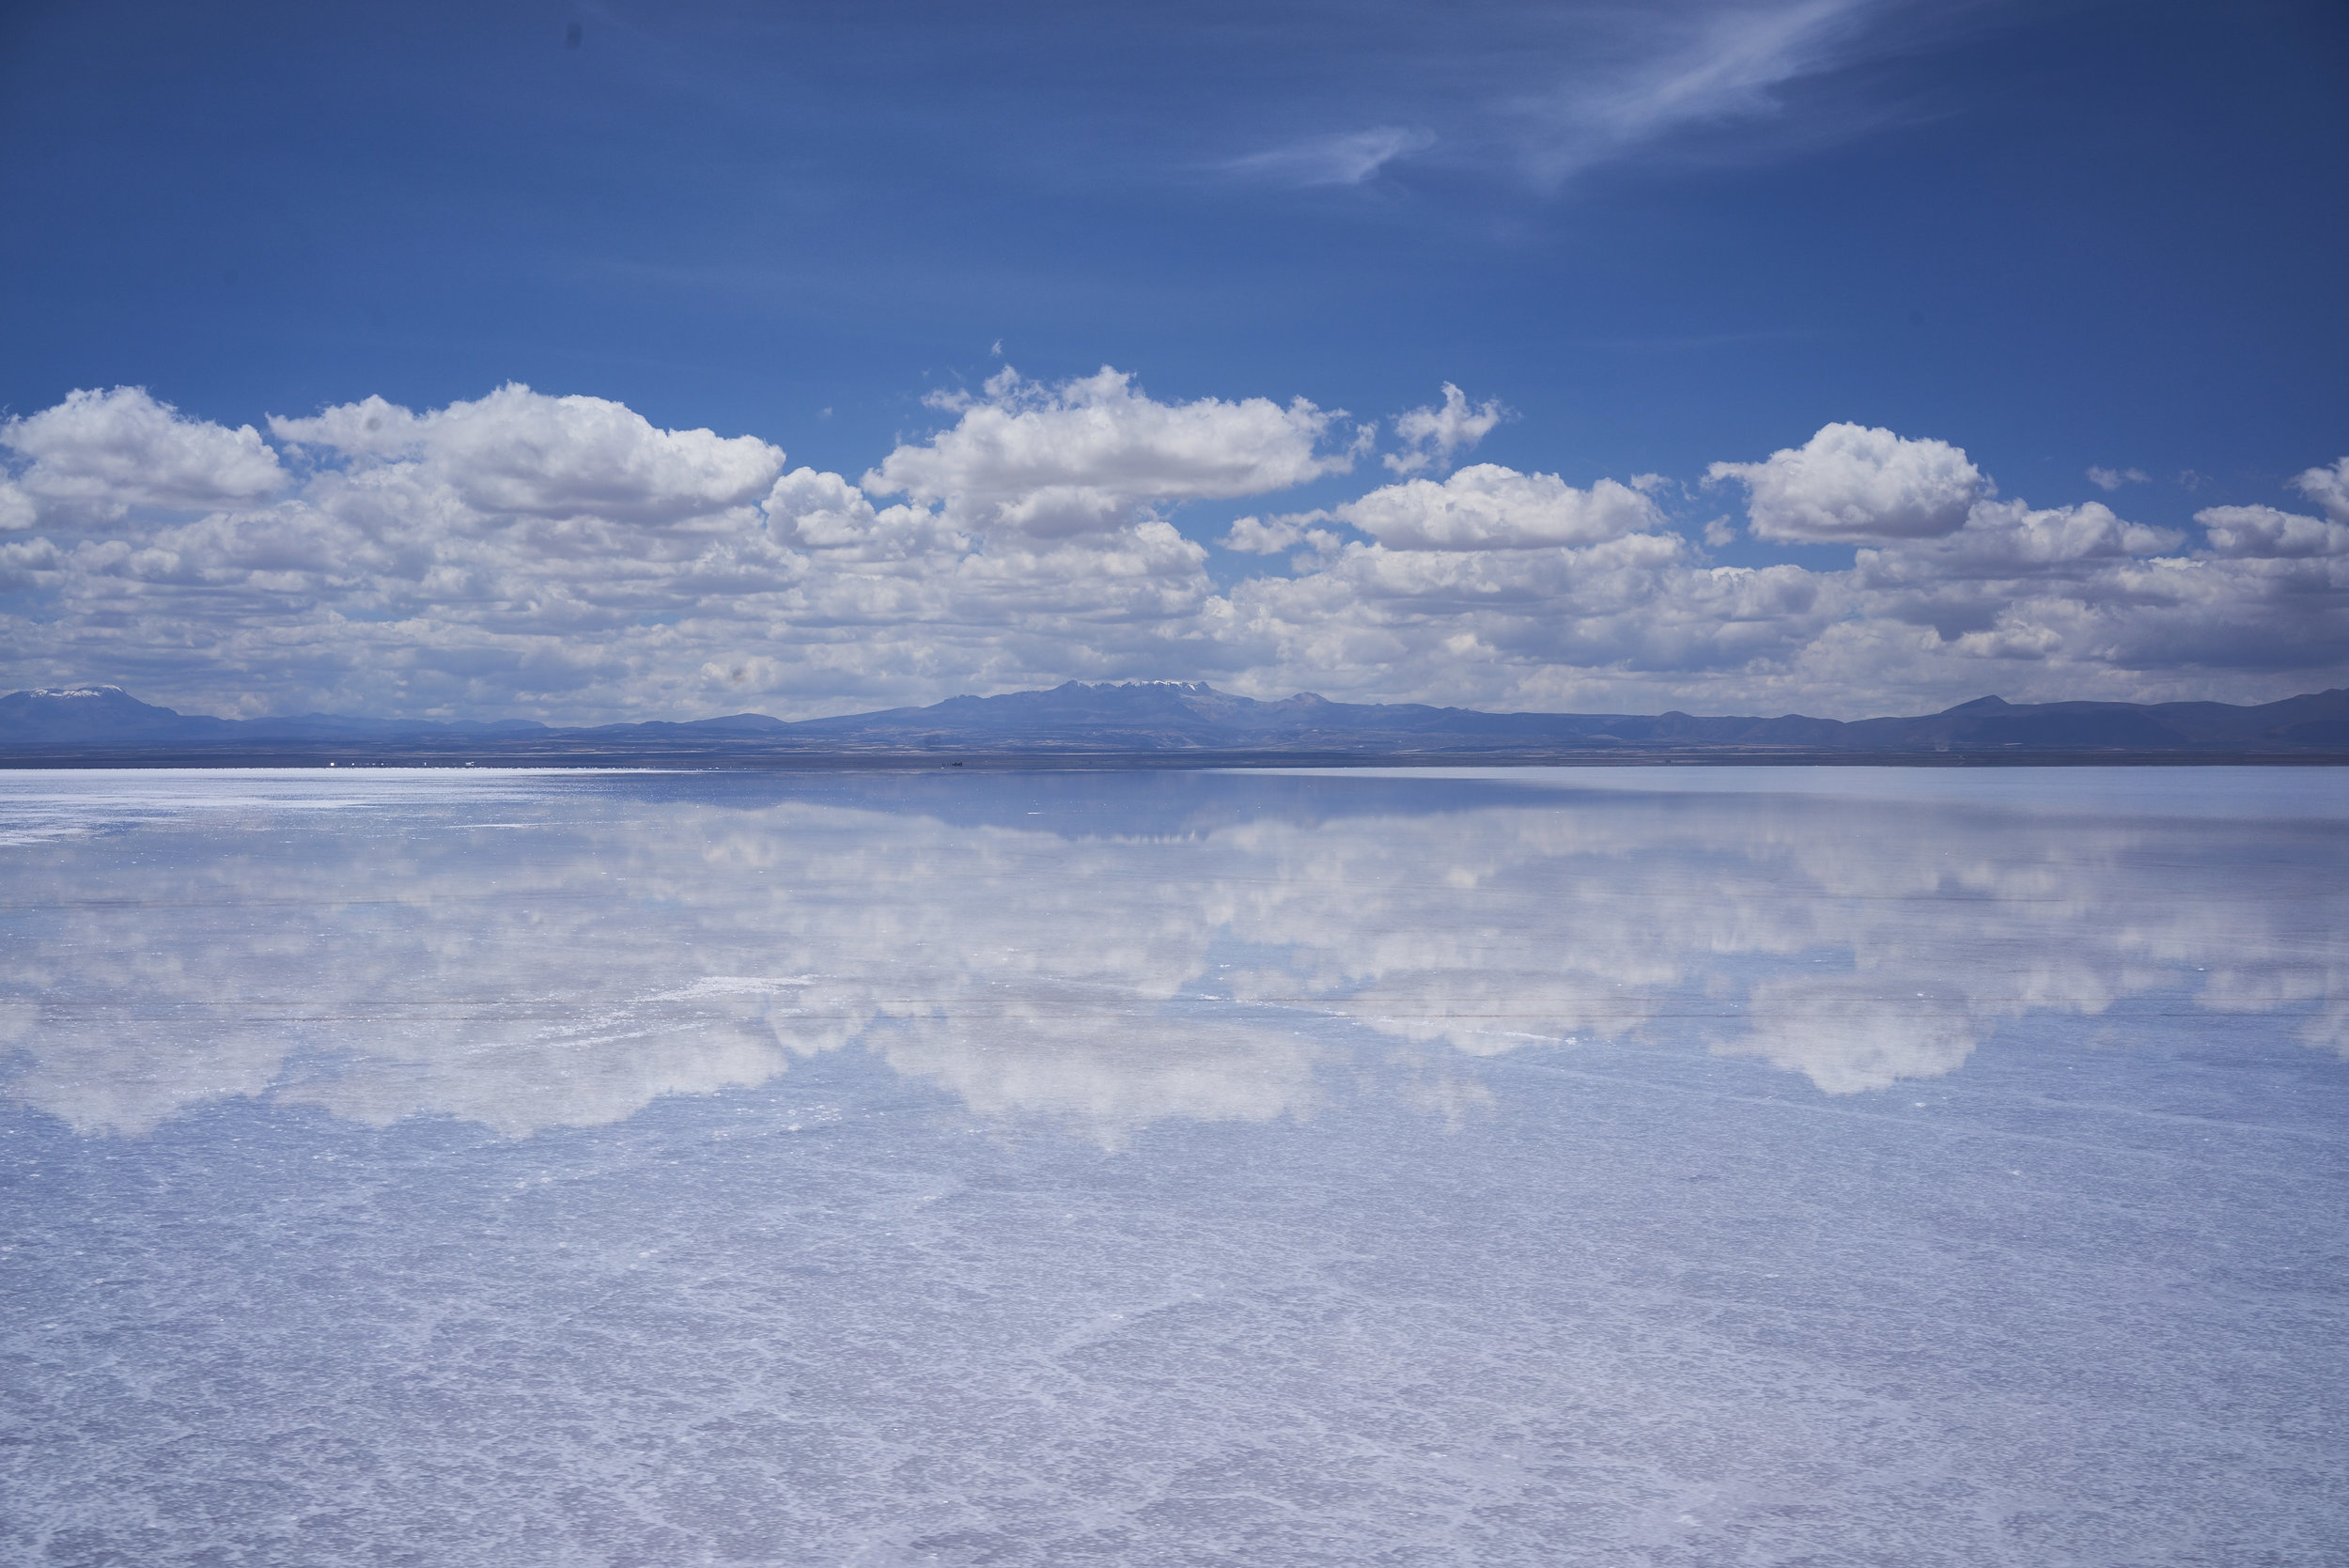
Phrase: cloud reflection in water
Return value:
(529, 951)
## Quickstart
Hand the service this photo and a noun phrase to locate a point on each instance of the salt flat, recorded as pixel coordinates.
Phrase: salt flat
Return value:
(1604, 1166)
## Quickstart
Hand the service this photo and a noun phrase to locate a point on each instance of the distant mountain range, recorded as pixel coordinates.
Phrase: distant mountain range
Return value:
(1168, 721)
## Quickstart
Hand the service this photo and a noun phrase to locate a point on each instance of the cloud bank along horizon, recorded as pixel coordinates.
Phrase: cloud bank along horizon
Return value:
(562, 557)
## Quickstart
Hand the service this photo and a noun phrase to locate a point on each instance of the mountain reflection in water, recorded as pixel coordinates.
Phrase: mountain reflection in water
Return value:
(527, 951)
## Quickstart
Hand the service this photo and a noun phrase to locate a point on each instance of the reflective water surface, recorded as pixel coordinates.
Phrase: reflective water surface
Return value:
(1645, 1166)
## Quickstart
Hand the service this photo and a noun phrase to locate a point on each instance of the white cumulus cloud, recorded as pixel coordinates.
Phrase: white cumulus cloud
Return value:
(2264, 532)
(99, 453)
(1081, 457)
(2001, 537)
(520, 451)
(570, 559)
(2328, 487)
(1255, 535)
(1431, 434)
(1487, 507)
(1854, 482)
(823, 511)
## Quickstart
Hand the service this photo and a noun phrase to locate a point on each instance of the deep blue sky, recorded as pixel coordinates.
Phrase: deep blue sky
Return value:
(2055, 234)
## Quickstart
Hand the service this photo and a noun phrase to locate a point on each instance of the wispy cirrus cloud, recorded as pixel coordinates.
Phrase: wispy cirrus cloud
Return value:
(1347, 157)
(1682, 67)
(1547, 92)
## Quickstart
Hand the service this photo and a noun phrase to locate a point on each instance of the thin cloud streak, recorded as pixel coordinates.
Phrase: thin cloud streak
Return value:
(1348, 159)
(1549, 94)
(1725, 67)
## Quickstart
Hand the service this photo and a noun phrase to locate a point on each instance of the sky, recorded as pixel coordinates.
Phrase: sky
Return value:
(591, 361)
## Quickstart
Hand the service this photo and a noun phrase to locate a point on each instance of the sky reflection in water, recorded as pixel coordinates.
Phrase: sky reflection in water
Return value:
(1609, 1166)
(530, 951)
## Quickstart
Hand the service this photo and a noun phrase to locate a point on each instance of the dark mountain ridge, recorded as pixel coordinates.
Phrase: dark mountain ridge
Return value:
(1172, 721)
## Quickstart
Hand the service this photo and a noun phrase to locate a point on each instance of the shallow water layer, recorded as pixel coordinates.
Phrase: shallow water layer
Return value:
(1626, 1166)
